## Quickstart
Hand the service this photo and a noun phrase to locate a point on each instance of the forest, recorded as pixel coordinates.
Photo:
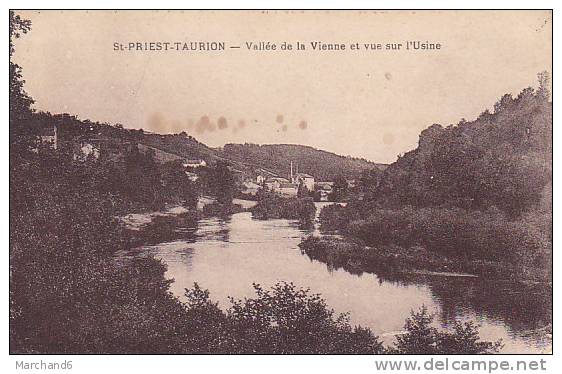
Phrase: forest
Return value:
(324, 166)
(477, 194)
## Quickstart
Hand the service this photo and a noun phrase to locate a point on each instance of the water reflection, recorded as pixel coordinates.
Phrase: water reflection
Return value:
(227, 255)
(525, 308)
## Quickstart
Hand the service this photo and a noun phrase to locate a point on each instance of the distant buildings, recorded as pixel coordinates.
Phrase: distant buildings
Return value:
(287, 186)
(274, 183)
(49, 136)
(96, 147)
(251, 188)
(281, 186)
(194, 163)
(85, 150)
(305, 179)
(324, 189)
(288, 189)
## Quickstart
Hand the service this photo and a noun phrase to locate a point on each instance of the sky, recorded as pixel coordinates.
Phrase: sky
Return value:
(363, 103)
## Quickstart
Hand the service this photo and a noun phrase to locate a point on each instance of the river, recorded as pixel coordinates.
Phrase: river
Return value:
(226, 256)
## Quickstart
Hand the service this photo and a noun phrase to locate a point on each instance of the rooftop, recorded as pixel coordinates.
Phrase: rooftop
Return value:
(279, 179)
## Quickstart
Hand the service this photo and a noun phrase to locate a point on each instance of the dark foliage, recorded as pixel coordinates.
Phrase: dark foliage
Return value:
(285, 320)
(219, 181)
(217, 209)
(271, 206)
(479, 193)
(422, 338)
(325, 166)
(501, 159)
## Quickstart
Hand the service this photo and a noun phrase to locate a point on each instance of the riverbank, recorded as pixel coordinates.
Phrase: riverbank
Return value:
(175, 222)
(226, 256)
(484, 243)
(356, 258)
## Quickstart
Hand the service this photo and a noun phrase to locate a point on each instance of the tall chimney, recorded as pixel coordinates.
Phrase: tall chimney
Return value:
(291, 171)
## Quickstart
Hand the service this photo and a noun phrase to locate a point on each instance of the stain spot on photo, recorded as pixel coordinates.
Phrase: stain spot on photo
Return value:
(222, 123)
(388, 138)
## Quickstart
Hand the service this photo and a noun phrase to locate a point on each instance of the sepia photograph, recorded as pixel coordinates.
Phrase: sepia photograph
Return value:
(302, 182)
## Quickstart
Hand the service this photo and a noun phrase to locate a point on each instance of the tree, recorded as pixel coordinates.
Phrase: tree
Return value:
(339, 190)
(302, 191)
(20, 101)
(422, 338)
(369, 179)
(544, 84)
(222, 184)
(290, 320)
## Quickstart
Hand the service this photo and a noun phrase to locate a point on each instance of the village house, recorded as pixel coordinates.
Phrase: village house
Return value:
(324, 189)
(274, 183)
(304, 179)
(86, 150)
(194, 163)
(49, 136)
(111, 149)
(250, 188)
(262, 175)
(288, 189)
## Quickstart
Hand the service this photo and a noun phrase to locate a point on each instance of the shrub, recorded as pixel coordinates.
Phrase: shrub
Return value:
(487, 235)
(289, 320)
(422, 338)
(385, 226)
(335, 218)
(165, 228)
(453, 232)
(217, 209)
(272, 206)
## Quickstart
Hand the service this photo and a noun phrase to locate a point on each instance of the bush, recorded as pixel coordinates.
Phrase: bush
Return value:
(275, 207)
(165, 228)
(487, 235)
(335, 218)
(289, 320)
(386, 261)
(217, 209)
(453, 232)
(385, 226)
(422, 338)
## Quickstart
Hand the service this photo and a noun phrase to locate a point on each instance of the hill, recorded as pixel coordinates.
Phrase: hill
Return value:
(277, 158)
(501, 159)
(245, 158)
(475, 197)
